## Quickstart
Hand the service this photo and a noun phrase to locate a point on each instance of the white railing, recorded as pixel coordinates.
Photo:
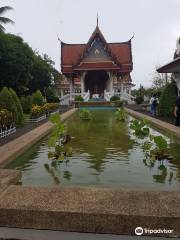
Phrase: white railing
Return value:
(36, 120)
(68, 98)
(107, 95)
(125, 96)
(122, 95)
(65, 100)
(7, 131)
(86, 96)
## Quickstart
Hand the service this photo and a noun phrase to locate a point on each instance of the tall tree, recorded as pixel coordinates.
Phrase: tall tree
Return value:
(4, 20)
(16, 60)
(22, 69)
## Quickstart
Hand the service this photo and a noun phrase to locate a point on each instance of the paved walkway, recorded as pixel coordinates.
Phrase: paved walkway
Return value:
(29, 234)
(158, 123)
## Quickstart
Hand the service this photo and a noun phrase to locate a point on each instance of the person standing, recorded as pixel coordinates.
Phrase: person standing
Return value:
(177, 110)
(151, 105)
(154, 104)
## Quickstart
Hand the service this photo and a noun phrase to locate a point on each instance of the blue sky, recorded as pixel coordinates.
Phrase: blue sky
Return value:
(155, 24)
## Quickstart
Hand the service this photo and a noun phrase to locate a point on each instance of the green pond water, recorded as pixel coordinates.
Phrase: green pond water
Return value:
(103, 155)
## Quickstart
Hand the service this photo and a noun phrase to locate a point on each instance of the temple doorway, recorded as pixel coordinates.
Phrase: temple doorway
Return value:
(95, 82)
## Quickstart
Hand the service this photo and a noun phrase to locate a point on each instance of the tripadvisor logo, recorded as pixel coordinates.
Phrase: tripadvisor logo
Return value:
(139, 231)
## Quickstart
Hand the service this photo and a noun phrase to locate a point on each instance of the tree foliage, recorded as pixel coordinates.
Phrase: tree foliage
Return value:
(22, 69)
(167, 100)
(37, 98)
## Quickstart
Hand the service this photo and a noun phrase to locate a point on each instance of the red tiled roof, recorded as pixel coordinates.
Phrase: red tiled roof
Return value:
(71, 54)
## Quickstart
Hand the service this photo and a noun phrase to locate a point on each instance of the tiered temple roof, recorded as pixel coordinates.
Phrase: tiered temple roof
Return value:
(97, 54)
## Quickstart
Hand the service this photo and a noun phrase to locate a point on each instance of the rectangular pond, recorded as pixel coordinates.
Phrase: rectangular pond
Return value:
(105, 154)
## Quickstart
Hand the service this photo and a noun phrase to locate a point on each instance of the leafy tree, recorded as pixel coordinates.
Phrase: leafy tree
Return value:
(43, 74)
(22, 69)
(167, 100)
(4, 20)
(15, 63)
(20, 116)
(37, 98)
(7, 102)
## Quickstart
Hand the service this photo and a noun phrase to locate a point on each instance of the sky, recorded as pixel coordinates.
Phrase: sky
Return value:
(155, 25)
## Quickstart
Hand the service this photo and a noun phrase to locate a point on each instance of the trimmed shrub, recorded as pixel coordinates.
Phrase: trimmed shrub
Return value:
(6, 118)
(52, 99)
(37, 111)
(79, 98)
(50, 107)
(114, 98)
(167, 100)
(139, 99)
(20, 116)
(26, 103)
(7, 102)
(37, 98)
(50, 95)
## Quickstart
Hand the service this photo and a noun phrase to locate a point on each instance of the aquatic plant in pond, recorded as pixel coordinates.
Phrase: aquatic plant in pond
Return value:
(160, 151)
(85, 114)
(155, 147)
(58, 140)
(121, 114)
(140, 127)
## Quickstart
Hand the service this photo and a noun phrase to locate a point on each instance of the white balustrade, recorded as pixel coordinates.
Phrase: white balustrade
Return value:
(86, 96)
(108, 95)
(65, 100)
(122, 95)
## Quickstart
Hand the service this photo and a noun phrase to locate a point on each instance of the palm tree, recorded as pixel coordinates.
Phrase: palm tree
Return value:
(4, 20)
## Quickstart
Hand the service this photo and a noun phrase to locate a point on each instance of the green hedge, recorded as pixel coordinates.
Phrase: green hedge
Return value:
(78, 98)
(7, 102)
(114, 98)
(20, 115)
(167, 100)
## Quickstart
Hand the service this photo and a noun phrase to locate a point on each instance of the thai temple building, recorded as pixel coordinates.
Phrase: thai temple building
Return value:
(173, 66)
(97, 69)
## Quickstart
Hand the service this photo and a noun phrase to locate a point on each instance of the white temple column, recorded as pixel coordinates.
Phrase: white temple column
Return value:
(71, 88)
(83, 82)
(111, 82)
